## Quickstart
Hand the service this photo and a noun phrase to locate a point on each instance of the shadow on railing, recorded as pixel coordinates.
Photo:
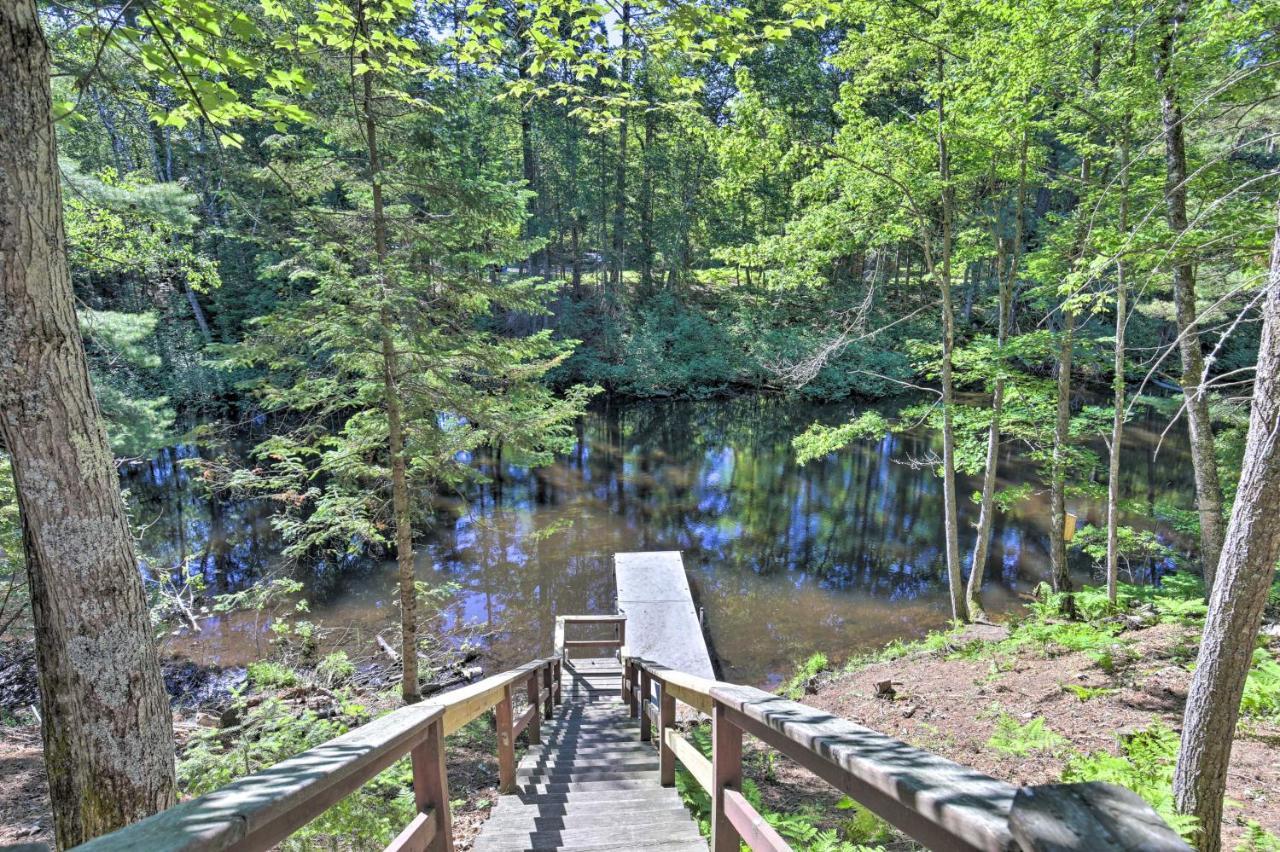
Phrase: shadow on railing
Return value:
(260, 810)
(941, 804)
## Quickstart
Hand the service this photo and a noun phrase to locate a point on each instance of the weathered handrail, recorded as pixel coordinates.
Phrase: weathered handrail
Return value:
(941, 804)
(260, 810)
(564, 645)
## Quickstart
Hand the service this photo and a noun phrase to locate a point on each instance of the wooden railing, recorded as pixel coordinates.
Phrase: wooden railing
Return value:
(563, 645)
(260, 810)
(941, 804)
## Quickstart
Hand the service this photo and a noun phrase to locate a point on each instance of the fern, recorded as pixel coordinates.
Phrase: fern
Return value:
(1145, 766)
(1010, 737)
(1262, 687)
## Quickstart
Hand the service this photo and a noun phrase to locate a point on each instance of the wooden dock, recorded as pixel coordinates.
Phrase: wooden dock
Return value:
(662, 623)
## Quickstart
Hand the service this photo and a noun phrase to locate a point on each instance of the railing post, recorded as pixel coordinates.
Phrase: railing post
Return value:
(666, 719)
(534, 730)
(646, 686)
(559, 681)
(548, 683)
(631, 673)
(506, 744)
(431, 785)
(726, 772)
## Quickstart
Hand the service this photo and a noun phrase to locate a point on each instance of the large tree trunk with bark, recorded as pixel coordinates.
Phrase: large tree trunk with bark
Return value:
(1244, 575)
(1203, 460)
(108, 733)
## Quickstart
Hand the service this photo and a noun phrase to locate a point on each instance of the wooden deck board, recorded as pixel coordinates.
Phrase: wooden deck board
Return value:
(662, 622)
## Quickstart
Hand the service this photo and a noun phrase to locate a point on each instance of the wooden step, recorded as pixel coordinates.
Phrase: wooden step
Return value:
(591, 784)
(621, 834)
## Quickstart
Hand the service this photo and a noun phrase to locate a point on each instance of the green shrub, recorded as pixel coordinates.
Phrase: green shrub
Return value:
(798, 829)
(335, 669)
(271, 732)
(268, 675)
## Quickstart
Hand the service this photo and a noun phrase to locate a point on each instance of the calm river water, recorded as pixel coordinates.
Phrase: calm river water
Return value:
(841, 555)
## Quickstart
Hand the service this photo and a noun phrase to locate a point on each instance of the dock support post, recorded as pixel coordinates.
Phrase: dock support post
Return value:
(506, 744)
(666, 722)
(726, 772)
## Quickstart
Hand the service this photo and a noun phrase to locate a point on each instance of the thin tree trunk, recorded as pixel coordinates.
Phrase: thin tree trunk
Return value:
(1249, 556)
(105, 721)
(1058, 471)
(391, 401)
(646, 197)
(620, 173)
(1199, 423)
(986, 516)
(955, 578)
(1118, 391)
(1060, 570)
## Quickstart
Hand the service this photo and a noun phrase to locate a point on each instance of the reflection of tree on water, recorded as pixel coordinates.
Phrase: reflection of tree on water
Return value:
(842, 553)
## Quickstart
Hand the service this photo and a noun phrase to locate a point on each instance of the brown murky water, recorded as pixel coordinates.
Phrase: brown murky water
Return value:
(839, 556)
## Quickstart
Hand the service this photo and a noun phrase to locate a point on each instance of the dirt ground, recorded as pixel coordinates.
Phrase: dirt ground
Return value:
(949, 706)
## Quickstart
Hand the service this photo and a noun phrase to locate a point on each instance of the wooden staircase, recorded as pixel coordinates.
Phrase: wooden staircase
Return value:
(591, 783)
(605, 736)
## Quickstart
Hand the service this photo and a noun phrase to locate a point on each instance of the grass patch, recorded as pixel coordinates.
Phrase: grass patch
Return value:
(799, 685)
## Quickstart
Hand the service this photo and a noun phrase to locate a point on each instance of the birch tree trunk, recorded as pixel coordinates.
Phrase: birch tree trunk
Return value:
(987, 510)
(1239, 595)
(951, 524)
(105, 720)
(1118, 393)
(1203, 460)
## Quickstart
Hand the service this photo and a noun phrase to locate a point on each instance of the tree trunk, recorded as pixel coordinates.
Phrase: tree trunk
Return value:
(1249, 556)
(1058, 472)
(107, 730)
(646, 197)
(533, 224)
(955, 578)
(1118, 392)
(391, 402)
(986, 515)
(1199, 423)
(620, 173)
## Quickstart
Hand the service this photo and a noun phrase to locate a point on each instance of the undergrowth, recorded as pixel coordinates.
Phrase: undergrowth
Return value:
(858, 831)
